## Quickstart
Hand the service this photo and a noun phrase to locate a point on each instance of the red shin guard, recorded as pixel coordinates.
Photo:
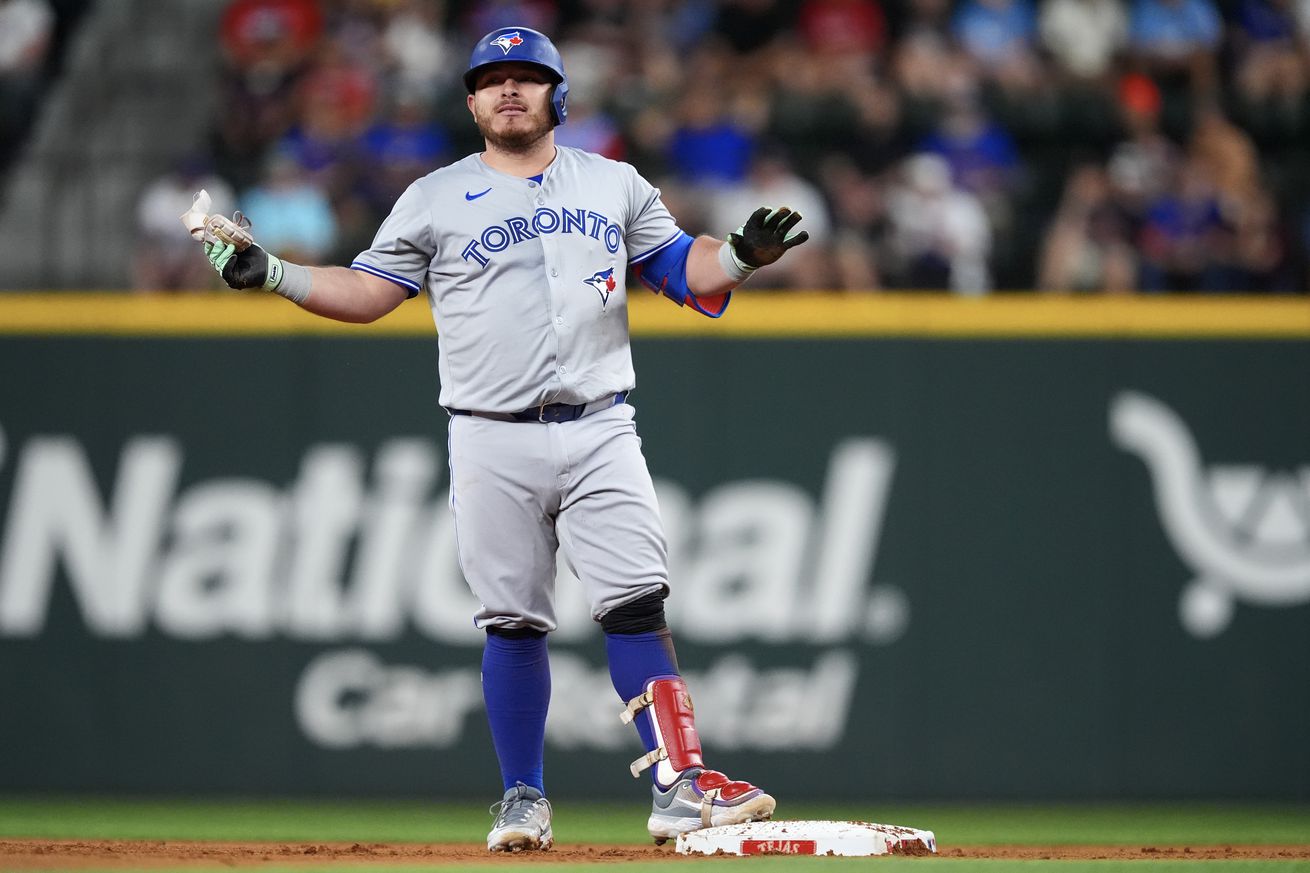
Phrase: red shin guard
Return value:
(673, 722)
(677, 746)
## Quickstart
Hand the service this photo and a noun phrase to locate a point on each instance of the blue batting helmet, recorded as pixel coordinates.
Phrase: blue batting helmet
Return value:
(526, 46)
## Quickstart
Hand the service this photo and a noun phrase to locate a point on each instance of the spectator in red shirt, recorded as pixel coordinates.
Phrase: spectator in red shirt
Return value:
(270, 33)
(843, 27)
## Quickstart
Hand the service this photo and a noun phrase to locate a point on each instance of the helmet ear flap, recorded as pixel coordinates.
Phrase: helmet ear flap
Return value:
(559, 102)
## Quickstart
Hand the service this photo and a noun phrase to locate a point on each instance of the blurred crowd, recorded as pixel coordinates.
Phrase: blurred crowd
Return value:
(1105, 146)
(27, 31)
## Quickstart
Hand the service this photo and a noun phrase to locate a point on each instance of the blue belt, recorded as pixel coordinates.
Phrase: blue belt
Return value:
(551, 412)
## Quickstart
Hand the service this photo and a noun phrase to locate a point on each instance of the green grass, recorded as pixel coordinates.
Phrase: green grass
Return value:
(579, 822)
(576, 822)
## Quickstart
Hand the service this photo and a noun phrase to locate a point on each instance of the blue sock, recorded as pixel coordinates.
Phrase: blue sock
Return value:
(516, 688)
(636, 659)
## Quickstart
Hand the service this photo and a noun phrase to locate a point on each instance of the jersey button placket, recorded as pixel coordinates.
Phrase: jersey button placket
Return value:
(554, 271)
(551, 254)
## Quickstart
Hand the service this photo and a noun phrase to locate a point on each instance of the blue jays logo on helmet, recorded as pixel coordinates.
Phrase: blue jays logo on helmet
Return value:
(604, 284)
(508, 41)
(528, 47)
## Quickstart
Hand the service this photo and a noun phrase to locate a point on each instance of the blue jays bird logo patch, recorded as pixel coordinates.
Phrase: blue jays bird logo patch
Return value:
(604, 284)
(508, 41)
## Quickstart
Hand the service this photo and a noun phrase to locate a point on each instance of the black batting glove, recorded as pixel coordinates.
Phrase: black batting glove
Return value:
(763, 238)
(248, 269)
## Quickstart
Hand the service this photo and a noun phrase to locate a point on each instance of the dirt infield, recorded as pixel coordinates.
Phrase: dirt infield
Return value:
(80, 854)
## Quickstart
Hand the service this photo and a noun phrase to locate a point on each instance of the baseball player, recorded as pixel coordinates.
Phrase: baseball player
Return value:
(523, 251)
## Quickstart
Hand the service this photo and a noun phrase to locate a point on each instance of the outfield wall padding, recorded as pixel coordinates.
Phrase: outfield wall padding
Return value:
(908, 562)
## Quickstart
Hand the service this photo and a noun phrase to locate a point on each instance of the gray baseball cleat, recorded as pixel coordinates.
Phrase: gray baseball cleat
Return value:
(702, 799)
(522, 821)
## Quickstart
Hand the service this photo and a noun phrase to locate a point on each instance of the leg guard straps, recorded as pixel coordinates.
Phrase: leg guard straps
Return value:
(635, 705)
(668, 706)
(707, 806)
(648, 760)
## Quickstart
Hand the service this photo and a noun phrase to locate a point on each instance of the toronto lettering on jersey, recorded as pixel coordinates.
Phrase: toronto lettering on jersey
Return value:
(353, 552)
(545, 221)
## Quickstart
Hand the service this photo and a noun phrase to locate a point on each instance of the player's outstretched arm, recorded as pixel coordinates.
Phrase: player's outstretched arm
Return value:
(332, 292)
(351, 295)
(716, 267)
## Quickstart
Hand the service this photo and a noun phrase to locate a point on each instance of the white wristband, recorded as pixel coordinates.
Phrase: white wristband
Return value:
(290, 280)
(732, 265)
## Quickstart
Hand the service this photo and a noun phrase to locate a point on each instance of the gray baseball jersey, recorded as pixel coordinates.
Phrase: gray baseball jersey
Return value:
(526, 280)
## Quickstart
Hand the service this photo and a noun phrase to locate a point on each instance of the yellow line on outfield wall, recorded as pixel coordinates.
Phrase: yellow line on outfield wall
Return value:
(798, 314)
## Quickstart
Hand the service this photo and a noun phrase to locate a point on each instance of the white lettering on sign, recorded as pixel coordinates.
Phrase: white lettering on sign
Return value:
(1243, 530)
(111, 553)
(349, 699)
(350, 551)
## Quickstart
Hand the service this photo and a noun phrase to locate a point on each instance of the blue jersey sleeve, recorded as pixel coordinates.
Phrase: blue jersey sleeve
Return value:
(664, 271)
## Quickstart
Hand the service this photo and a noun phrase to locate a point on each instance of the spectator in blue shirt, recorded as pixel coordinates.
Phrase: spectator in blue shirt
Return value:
(981, 154)
(294, 213)
(399, 148)
(1183, 240)
(1271, 66)
(1000, 35)
(1177, 37)
(709, 146)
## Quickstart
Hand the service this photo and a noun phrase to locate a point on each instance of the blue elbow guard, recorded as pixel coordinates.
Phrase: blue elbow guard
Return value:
(664, 271)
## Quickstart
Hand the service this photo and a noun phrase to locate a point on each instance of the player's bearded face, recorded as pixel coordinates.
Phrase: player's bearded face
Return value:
(511, 106)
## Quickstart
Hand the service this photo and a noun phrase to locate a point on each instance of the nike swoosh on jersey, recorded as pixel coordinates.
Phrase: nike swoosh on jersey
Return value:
(470, 196)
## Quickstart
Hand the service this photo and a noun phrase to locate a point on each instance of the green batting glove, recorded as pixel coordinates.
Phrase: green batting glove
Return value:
(763, 238)
(219, 254)
(253, 268)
